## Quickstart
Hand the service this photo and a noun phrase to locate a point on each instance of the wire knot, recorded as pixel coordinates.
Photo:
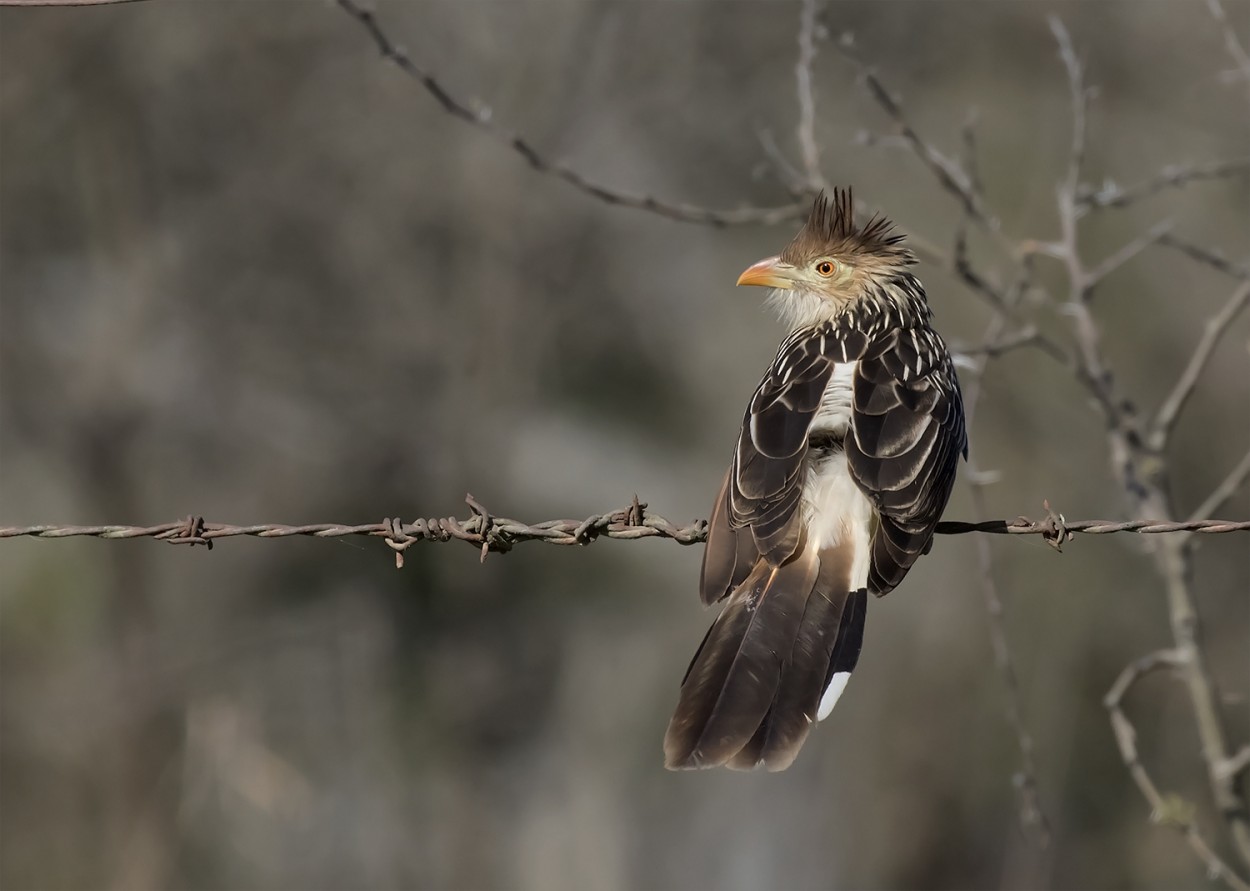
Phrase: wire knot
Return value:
(191, 532)
(398, 539)
(488, 532)
(1054, 530)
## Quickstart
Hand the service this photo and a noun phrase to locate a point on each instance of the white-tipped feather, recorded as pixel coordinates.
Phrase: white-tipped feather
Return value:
(829, 699)
(834, 506)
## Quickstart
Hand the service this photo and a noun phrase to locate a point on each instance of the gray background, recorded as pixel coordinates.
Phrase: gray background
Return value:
(252, 272)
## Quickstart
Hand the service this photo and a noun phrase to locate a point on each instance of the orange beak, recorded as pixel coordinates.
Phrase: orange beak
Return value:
(769, 273)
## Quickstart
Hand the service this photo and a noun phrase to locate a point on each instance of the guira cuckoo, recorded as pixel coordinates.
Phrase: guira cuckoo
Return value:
(845, 462)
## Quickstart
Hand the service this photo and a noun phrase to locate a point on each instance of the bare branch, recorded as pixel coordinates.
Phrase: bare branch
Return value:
(65, 2)
(794, 181)
(483, 120)
(1215, 329)
(1137, 469)
(1094, 277)
(968, 134)
(948, 172)
(1165, 810)
(1209, 258)
(1032, 817)
(1227, 488)
(1080, 103)
(999, 346)
(1235, 764)
(1173, 176)
(1231, 42)
(964, 185)
(809, 149)
(1119, 415)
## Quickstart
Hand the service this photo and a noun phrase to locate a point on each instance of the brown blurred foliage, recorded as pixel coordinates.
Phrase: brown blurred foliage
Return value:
(248, 270)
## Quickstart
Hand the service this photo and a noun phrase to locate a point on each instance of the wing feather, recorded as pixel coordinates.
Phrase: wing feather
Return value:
(766, 482)
(908, 425)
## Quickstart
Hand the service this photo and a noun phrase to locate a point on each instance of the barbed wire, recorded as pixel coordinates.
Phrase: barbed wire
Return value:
(491, 533)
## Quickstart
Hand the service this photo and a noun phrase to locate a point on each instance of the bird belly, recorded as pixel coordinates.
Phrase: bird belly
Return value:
(834, 509)
(834, 413)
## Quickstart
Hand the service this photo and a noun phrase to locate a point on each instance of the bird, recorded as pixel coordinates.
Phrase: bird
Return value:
(844, 464)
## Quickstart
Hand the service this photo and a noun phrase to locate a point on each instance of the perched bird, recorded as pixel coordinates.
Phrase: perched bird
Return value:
(845, 462)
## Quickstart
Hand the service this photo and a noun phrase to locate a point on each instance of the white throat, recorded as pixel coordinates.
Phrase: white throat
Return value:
(801, 309)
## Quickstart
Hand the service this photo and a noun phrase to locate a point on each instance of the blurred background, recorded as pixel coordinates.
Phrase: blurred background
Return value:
(250, 271)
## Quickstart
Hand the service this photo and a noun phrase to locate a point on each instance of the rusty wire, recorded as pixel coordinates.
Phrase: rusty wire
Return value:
(488, 533)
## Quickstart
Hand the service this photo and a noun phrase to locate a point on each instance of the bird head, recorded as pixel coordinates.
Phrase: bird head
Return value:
(831, 262)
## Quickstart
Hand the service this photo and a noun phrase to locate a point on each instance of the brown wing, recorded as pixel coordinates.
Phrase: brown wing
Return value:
(908, 433)
(766, 478)
(730, 552)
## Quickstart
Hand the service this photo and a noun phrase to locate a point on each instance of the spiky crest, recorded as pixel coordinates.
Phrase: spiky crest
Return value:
(830, 230)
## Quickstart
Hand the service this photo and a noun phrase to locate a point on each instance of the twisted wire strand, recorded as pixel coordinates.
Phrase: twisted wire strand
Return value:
(498, 534)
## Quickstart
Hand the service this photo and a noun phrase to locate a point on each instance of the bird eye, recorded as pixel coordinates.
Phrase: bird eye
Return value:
(826, 267)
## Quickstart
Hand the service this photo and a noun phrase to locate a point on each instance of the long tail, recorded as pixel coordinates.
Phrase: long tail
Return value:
(771, 665)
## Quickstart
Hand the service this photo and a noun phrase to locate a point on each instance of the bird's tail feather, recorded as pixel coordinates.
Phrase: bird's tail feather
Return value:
(754, 687)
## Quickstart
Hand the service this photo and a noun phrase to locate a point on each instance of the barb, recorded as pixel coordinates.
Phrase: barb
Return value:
(488, 532)
(483, 119)
(1165, 810)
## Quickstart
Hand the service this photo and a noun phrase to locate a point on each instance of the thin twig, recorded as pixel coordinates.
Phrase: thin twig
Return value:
(1235, 764)
(1173, 176)
(949, 173)
(962, 183)
(1241, 59)
(1079, 98)
(1216, 327)
(1086, 332)
(32, 3)
(1165, 810)
(1207, 257)
(809, 148)
(1142, 473)
(1227, 487)
(484, 120)
(998, 346)
(1032, 817)
(1128, 252)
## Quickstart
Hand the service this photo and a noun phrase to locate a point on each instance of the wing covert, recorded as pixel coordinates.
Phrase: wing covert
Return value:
(907, 426)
